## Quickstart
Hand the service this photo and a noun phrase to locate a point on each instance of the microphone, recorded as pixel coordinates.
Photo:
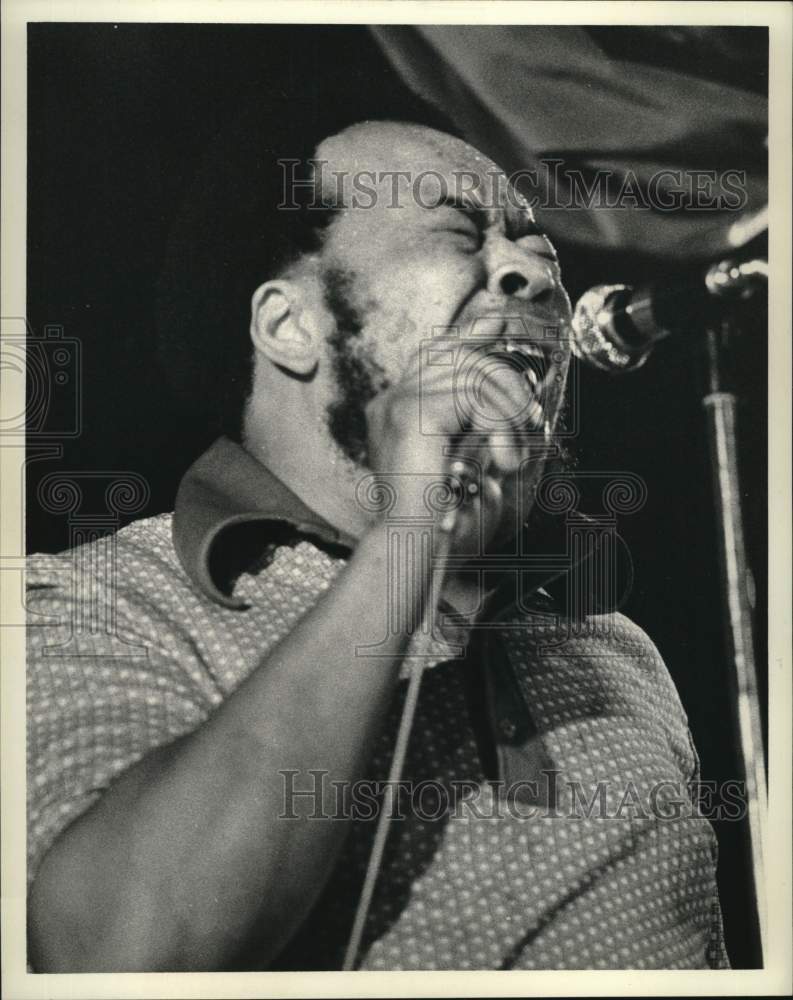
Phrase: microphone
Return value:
(615, 327)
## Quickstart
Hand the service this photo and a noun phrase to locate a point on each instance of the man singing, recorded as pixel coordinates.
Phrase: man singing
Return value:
(193, 778)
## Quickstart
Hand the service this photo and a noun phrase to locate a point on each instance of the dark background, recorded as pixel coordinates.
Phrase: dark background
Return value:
(118, 119)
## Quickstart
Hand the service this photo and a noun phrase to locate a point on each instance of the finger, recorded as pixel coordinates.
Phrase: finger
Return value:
(506, 454)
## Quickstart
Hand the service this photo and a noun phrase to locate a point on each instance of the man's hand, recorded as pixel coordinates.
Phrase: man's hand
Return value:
(478, 412)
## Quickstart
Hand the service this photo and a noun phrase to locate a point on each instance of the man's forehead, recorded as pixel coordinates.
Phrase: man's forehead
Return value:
(375, 152)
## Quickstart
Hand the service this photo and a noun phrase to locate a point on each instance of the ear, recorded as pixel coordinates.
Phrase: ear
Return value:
(282, 329)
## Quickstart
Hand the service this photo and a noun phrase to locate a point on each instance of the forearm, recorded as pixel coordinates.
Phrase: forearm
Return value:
(186, 853)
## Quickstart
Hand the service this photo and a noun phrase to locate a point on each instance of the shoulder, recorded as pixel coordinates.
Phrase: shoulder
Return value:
(611, 647)
(602, 667)
(141, 552)
(548, 633)
(126, 582)
(144, 540)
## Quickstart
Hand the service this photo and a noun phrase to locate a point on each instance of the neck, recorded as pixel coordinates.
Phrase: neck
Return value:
(317, 483)
(306, 459)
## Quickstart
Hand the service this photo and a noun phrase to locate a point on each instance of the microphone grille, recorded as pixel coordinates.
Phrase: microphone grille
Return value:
(592, 340)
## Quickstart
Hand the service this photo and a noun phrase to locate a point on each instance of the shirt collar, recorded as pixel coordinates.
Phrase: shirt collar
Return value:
(226, 487)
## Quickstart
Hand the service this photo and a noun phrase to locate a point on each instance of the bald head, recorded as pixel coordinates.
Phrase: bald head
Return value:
(390, 165)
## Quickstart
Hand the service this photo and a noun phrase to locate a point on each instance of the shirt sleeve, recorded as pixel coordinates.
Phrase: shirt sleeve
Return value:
(617, 739)
(108, 680)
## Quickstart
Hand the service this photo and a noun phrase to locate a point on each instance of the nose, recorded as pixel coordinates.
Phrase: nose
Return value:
(518, 274)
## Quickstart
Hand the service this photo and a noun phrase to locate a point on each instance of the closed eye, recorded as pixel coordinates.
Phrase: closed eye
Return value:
(468, 218)
(470, 231)
(466, 241)
(539, 245)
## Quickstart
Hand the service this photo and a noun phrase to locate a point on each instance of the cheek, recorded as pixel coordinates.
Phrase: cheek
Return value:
(416, 304)
(394, 339)
(443, 274)
(421, 300)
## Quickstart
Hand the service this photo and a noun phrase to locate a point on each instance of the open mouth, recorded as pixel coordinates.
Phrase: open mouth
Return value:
(530, 362)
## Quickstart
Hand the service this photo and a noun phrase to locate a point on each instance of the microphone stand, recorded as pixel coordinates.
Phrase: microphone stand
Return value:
(720, 409)
(443, 536)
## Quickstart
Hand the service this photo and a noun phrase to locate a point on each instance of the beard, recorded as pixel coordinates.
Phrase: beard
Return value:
(358, 377)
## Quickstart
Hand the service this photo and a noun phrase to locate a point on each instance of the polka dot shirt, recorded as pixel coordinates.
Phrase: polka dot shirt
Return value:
(126, 654)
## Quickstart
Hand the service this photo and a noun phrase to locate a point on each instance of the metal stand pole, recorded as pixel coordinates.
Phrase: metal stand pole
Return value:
(400, 750)
(720, 409)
